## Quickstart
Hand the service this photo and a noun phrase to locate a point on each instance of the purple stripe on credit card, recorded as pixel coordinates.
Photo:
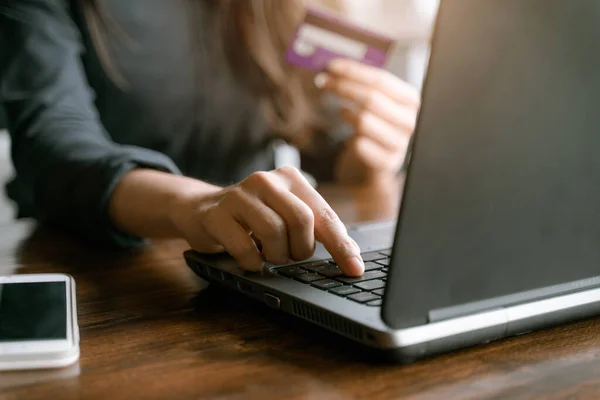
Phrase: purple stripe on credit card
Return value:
(322, 37)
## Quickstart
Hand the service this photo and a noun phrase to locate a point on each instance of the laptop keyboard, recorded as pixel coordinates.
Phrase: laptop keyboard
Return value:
(325, 275)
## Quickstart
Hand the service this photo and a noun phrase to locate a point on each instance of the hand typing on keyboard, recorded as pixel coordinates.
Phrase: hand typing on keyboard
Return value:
(280, 210)
(326, 275)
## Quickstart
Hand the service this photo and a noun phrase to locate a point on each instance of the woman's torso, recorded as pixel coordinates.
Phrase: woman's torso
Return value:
(179, 97)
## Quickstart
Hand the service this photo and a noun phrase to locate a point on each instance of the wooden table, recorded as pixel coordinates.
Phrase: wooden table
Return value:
(151, 329)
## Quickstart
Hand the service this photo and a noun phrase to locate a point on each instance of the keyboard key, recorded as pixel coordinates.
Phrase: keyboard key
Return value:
(317, 266)
(375, 303)
(379, 292)
(385, 262)
(344, 290)
(326, 269)
(370, 285)
(370, 266)
(331, 271)
(367, 276)
(291, 271)
(386, 252)
(326, 284)
(308, 278)
(372, 256)
(363, 297)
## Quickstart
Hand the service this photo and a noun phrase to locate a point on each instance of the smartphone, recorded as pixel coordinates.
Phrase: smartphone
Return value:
(38, 321)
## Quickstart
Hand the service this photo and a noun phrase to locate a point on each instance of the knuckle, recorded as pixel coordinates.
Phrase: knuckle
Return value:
(412, 124)
(347, 67)
(397, 147)
(346, 246)
(343, 67)
(384, 77)
(310, 251)
(233, 199)
(409, 127)
(374, 99)
(288, 170)
(416, 99)
(414, 94)
(303, 218)
(258, 179)
(329, 217)
(359, 151)
(396, 141)
(403, 145)
(381, 78)
(305, 252)
(273, 229)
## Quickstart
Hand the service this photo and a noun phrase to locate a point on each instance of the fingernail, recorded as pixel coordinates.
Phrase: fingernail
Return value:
(356, 266)
(321, 80)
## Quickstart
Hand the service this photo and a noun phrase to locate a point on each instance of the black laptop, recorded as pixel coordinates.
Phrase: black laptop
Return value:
(499, 227)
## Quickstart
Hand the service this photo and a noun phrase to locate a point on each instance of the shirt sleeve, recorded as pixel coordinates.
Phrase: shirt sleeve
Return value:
(67, 165)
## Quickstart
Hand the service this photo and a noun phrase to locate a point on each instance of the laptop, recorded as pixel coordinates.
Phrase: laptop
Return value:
(498, 232)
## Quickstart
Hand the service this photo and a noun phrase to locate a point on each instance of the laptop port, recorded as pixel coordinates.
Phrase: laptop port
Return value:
(245, 287)
(272, 301)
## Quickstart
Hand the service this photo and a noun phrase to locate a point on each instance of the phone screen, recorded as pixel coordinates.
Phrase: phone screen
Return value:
(33, 311)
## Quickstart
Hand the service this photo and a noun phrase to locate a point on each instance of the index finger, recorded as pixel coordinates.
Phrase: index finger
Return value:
(386, 82)
(329, 229)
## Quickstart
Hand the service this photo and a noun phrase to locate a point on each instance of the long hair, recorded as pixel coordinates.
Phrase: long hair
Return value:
(255, 35)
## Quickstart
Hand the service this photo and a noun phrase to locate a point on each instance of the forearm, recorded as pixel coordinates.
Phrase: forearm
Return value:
(145, 201)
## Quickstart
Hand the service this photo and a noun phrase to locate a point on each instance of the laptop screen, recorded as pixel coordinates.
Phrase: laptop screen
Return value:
(503, 189)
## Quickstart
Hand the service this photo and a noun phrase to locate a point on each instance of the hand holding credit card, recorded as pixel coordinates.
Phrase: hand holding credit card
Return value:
(381, 108)
(321, 38)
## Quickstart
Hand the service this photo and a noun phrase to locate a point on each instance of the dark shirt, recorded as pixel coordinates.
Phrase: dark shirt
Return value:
(75, 132)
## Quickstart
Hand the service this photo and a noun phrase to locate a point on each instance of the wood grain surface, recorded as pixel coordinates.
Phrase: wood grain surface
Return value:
(151, 329)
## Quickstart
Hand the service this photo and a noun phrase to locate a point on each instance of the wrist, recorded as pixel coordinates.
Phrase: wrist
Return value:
(186, 200)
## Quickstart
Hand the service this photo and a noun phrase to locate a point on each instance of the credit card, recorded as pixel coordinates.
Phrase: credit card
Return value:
(322, 37)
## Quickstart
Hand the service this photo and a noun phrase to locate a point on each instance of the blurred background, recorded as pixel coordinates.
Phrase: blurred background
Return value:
(407, 21)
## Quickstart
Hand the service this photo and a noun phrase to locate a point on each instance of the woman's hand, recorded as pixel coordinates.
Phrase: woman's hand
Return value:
(383, 114)
(279, 210)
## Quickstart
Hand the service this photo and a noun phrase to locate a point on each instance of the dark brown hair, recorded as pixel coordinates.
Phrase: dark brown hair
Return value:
(255, 35)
